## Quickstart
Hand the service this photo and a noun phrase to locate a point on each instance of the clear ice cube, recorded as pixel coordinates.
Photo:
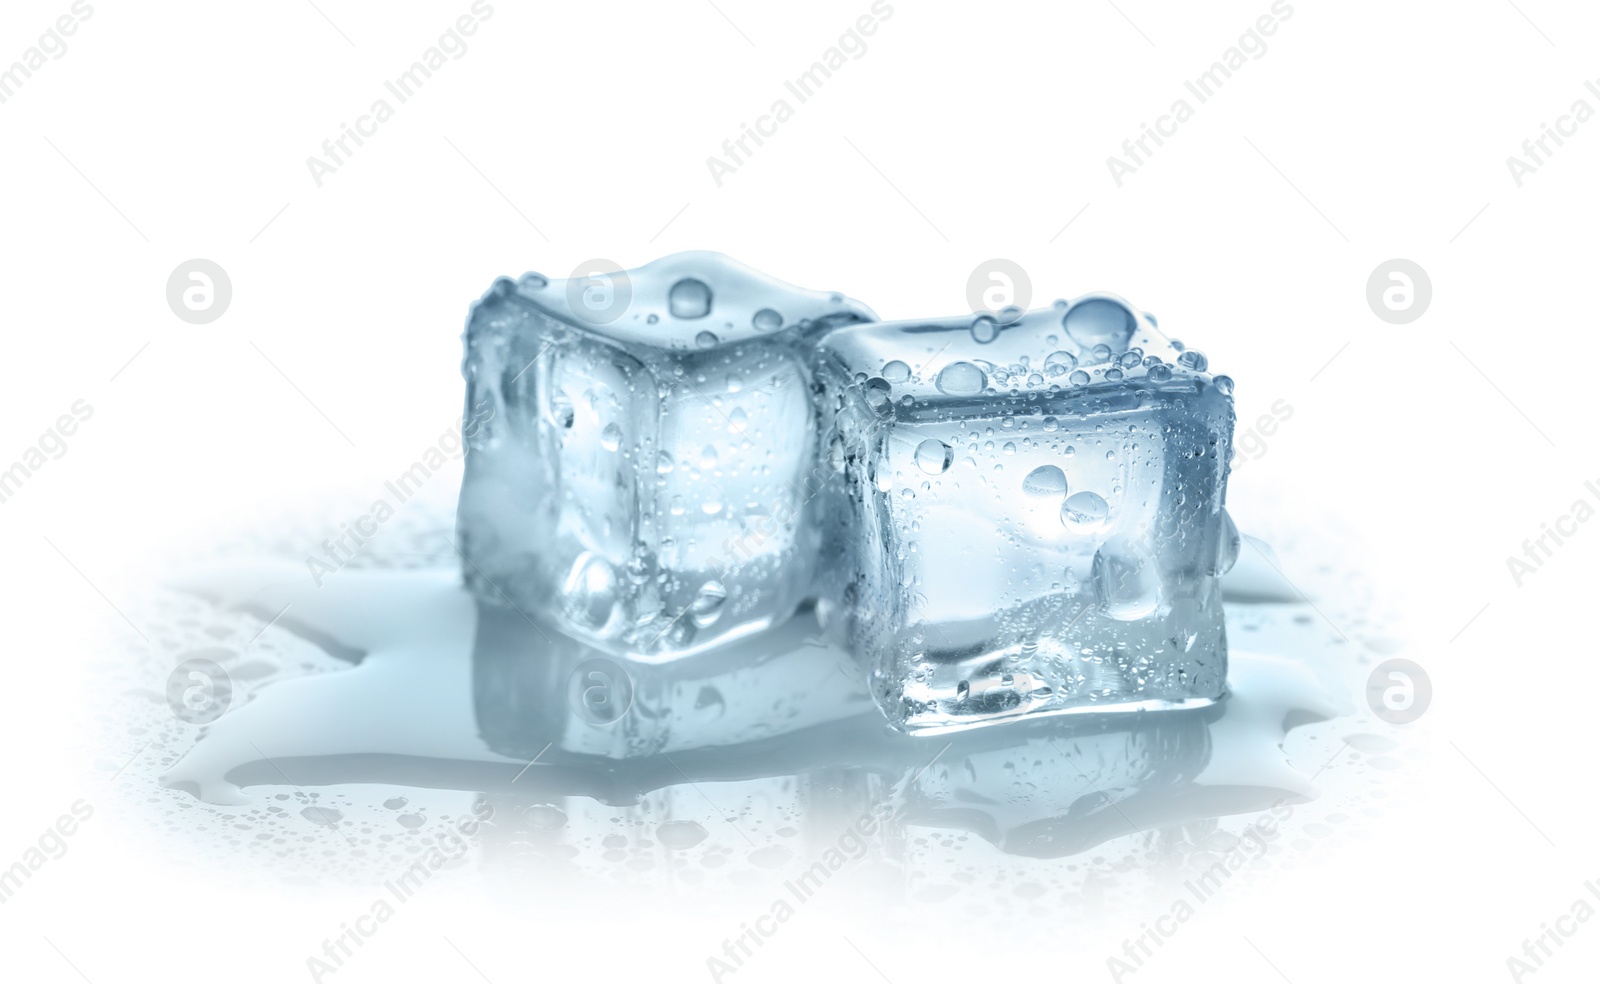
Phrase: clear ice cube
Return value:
(643, 473)
(1028, 516)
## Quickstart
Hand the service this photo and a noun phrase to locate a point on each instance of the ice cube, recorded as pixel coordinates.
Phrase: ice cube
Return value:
(640, 472)
(1029, 516)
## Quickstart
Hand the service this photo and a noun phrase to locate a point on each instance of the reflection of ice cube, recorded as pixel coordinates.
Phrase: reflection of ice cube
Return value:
(1032, 513)
(641, 471)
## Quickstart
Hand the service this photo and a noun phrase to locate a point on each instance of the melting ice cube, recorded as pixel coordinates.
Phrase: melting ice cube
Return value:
(1028, 517)
(642, 476)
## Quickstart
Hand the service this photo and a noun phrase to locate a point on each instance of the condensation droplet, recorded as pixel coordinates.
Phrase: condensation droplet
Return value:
(708, 602)
(933, 456)
(1127, 579)
(961, 379)
(589, 593)
(1045, 480)
(1099, 321)
(1084, 511)
(689, 298)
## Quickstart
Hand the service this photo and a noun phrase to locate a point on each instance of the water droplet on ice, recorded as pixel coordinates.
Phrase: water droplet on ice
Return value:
(933, 456)
(1193, 359)
(896, 371)
(1126, 579)
(689, 298)
(706, 340)
(961, 379)
(560, 411)
(1160, 373)
(1228, 543)
(1224, 385)
(589, 593)
(1060, 363)
(985, 330)
(1045, 480)
(1084, 511)
(707, 604)
(325, 815)
(664, 463)
(767, 319)
(611, 437)
(1099, 321)
(708, 457)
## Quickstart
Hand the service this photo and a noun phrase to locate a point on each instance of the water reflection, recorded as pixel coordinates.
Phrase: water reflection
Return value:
(775, 736)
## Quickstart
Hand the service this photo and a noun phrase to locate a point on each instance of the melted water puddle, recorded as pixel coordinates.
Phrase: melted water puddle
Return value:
(413, 705)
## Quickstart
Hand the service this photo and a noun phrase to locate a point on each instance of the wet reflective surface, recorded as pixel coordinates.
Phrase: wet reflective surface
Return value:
(375, 716)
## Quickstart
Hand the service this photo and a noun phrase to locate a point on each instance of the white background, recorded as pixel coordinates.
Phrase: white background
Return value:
(1366, 131)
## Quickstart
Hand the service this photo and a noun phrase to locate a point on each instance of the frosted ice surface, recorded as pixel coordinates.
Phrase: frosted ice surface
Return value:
(1027, 517)
(642, 476)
